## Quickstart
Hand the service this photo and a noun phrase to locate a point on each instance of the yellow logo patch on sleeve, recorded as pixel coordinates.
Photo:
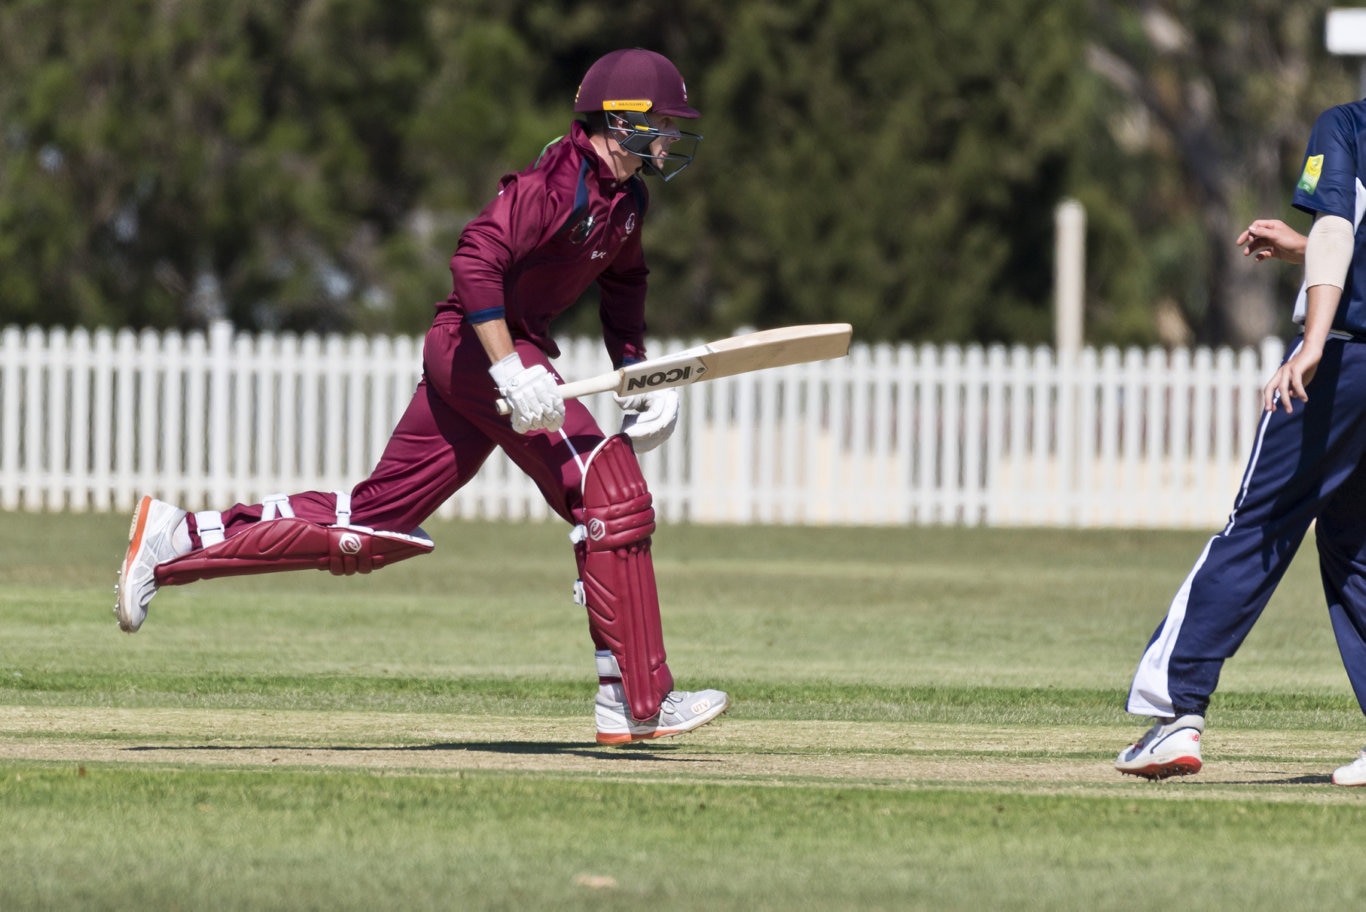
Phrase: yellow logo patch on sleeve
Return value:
(1309, 180)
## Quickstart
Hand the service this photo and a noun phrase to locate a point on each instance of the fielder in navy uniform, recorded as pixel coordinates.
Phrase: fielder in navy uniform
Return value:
(1308, 466)
(570, 220)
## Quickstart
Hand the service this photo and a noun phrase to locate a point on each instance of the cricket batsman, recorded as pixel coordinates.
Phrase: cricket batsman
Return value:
(571, 219)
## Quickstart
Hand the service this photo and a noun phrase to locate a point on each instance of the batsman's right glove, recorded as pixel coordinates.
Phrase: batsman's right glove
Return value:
(650, 418)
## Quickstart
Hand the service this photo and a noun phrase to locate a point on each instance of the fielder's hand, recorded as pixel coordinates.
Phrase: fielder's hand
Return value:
(650, 418)
(1291, 380)
(1267, 238)
(532, 394)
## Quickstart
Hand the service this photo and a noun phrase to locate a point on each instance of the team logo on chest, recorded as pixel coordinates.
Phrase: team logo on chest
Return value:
(579, 233)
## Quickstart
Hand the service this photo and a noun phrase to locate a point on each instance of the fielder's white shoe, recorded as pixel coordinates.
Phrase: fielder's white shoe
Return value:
(1170, 748)
(149, 543)
(1353, 773)
(681, 711)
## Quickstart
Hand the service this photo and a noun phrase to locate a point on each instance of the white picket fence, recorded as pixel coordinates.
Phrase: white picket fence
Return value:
(898, 434)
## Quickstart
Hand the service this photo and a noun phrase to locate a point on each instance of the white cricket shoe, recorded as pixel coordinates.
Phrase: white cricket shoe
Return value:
(149, 543)
(1353, 773)
(681, 711)
(1170, 748)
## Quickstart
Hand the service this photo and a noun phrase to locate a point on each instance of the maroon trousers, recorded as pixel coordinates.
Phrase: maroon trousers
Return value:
(451, 426)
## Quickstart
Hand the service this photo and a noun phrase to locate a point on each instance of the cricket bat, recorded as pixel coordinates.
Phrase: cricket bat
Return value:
(713, 360)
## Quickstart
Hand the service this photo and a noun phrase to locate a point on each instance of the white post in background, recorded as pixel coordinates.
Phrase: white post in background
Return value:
(1345, 35)
(1069, 280)
(1069, 294)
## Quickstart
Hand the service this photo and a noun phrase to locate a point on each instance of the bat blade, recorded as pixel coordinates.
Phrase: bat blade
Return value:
(755, 351)
(777, 348)
(738, 355)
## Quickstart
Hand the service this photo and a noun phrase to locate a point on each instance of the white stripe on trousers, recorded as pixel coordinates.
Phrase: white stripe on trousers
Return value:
(1150, 693)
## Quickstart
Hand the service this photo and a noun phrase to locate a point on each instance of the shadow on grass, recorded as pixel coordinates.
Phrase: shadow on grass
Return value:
(637, 751)
(1207, 783)
(1289, 780)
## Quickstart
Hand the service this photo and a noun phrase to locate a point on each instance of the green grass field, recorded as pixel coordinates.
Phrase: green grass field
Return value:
(922, 719)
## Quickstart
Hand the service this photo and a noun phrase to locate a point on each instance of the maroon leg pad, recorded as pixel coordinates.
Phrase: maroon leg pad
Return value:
(618, 574)
(292, 544)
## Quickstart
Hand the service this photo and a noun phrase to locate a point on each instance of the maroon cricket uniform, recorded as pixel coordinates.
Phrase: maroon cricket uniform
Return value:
(553, 230)
(556, 228)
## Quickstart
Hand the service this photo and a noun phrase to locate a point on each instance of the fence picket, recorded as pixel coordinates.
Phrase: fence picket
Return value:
(893, 434)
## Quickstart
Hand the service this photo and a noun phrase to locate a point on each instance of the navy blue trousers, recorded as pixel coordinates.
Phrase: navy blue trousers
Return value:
(1305, 466)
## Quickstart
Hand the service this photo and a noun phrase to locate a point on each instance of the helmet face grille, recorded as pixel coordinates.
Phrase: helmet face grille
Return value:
(628, 79)
(634, 133)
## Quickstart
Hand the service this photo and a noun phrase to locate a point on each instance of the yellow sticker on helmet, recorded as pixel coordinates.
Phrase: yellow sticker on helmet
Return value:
(1313, 169)
(627, 104)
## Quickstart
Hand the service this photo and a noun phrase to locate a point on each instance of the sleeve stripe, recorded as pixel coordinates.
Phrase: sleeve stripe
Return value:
(483, 316)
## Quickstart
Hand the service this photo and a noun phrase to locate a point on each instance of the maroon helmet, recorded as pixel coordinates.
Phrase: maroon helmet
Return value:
(634, 80)
(630, 86)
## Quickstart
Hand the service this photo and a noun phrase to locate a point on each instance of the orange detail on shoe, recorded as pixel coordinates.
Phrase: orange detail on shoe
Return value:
(139, 527)
(623, 738)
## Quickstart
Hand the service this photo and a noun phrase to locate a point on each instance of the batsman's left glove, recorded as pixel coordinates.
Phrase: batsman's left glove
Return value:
(531, 393)
(650, 417)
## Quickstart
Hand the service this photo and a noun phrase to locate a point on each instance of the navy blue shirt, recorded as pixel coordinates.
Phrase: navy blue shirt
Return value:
(1331, 184)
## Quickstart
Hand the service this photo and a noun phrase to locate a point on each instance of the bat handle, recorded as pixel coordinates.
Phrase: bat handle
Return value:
(604, 383)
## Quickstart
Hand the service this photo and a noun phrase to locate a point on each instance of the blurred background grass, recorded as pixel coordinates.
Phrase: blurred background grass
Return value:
(927, 608)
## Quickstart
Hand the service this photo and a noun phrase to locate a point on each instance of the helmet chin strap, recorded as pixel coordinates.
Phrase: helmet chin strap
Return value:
(624, 164)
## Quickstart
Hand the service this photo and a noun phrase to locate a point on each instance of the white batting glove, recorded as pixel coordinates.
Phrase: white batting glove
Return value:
(650, 418)
(532, 394)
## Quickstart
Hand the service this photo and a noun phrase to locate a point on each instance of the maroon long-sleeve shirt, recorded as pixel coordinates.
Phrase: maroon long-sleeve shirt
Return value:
(554, 229)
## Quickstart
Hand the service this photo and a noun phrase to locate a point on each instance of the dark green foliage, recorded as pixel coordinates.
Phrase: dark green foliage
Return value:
(1204, 109)
(890, 162)
(309, 165)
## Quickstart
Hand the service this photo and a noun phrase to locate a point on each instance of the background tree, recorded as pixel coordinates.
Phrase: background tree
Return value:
(308, 164)
(893, 163)
(1209, 110)
(171, 163)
